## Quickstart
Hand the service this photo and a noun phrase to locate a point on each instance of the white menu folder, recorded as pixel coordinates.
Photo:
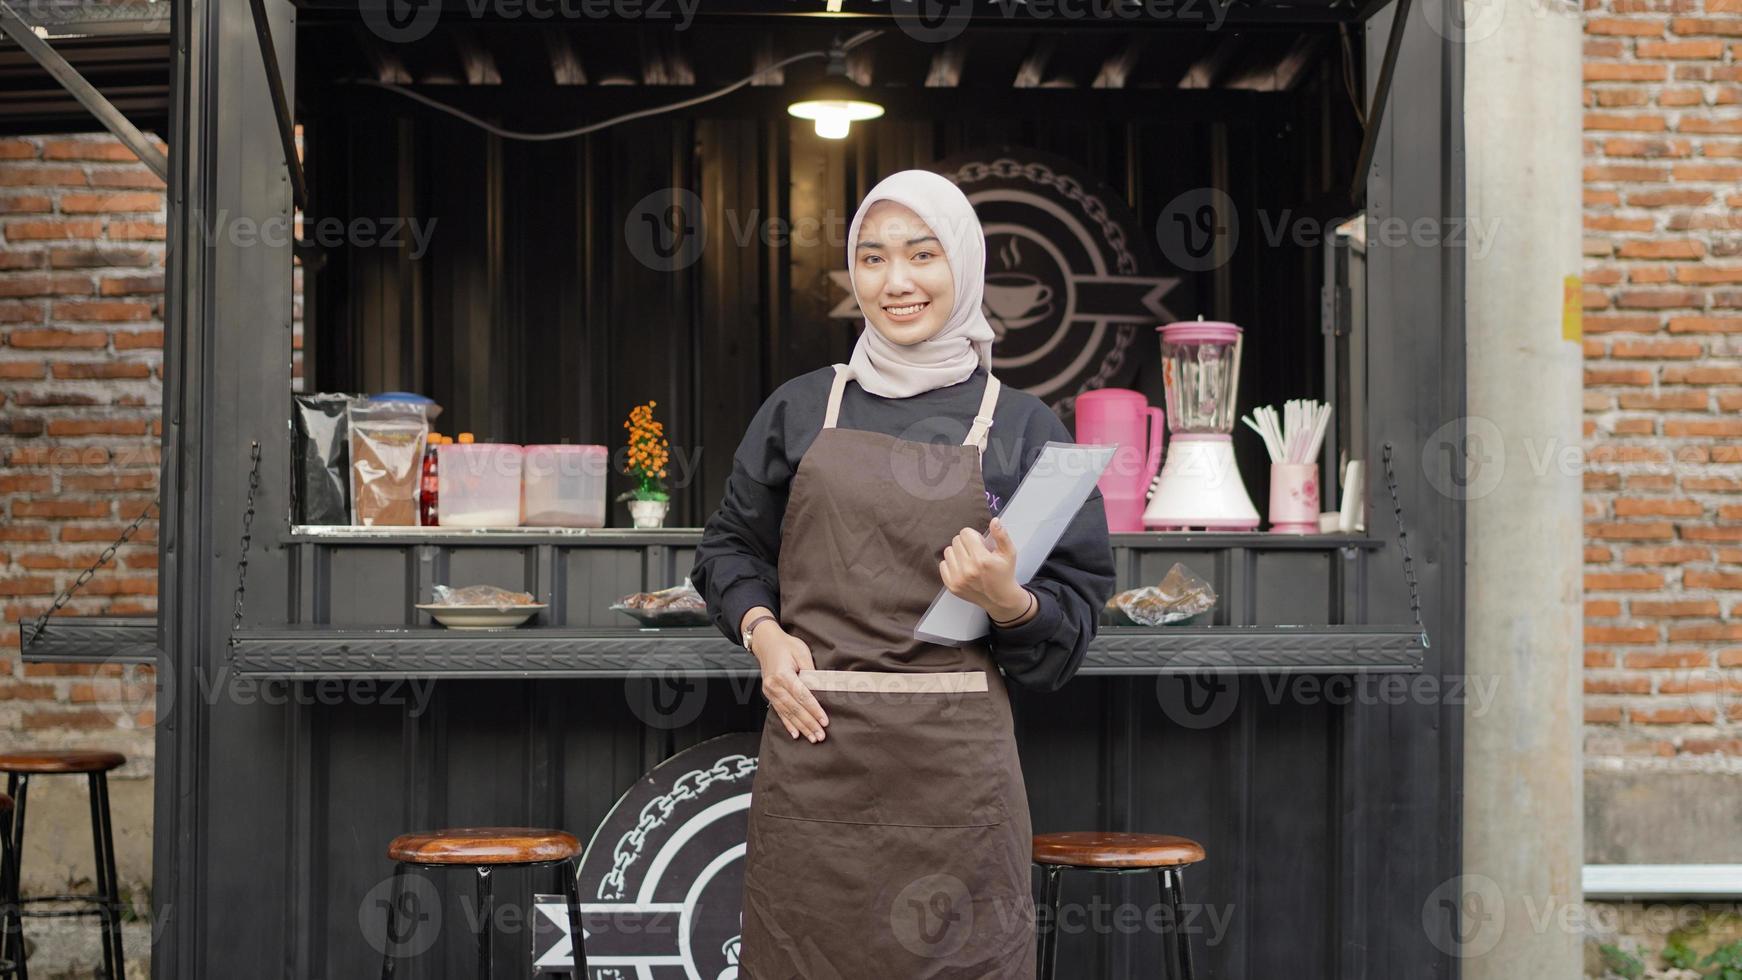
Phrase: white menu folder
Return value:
(1051, 493)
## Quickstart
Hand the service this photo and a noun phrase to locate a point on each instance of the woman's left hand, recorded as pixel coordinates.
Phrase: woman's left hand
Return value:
(986, 577)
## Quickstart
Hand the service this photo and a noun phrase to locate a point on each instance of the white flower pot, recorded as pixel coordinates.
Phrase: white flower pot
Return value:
(648, 513)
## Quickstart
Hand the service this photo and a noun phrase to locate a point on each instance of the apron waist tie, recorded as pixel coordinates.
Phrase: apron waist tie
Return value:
(942, 682)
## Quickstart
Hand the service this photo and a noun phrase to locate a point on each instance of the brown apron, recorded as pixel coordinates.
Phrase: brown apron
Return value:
(898, 846)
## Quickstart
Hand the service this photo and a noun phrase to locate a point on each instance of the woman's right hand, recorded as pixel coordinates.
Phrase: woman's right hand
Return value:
(782, 656)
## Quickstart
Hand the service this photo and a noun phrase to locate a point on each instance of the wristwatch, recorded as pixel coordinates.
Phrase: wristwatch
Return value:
(758, 621)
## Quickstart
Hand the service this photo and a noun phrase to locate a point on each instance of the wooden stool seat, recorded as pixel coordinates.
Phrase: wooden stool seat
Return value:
(1103, 852)
(484, 846)
(483, 850)
(59, 761)
(1104, 849)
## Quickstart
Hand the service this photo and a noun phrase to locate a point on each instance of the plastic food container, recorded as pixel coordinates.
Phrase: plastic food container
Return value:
(565, 486)
(478, 484)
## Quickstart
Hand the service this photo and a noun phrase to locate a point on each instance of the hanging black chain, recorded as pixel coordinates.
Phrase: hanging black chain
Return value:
(247, 536)
(66, 594)
(1403, 545)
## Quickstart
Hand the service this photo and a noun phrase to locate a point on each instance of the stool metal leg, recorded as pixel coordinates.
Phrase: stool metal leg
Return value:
(11, 922)
(487, 909)
(1177, 896)
(390, 941)
(1052, 892)
(108, 887)
(572, 893)
(18, 787)
(1170, 935)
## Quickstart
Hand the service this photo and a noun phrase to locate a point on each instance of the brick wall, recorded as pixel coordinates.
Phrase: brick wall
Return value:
(81, 364)
(81, 338)
(1663, 382)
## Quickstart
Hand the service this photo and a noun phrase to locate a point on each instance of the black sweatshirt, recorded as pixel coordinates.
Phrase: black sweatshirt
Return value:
(735, 567)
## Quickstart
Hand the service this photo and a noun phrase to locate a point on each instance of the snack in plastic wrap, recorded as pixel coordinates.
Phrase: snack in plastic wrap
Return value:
(480, 595)
(680, 605)
(320, 459)
(1180, 596)
(387, 440)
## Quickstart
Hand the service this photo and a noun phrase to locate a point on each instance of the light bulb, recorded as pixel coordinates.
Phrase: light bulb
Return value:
(833, 125)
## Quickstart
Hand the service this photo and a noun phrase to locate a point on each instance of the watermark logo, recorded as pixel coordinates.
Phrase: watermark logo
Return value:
(665, 231)
(133, 696)
(667, 698)
(932, 21)
(933, 916)
(1465, 459)
(928, 460)
(401, 916)
(1203, 696)
(1464, 21)
(1199, 229)
(1465, 916)
(401, 21)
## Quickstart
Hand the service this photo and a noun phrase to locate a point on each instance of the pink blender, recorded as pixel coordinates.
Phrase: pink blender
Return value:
(1199, 485)
(1123, 418)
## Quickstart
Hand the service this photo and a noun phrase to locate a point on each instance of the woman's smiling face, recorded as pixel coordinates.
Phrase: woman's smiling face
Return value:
(902, 278)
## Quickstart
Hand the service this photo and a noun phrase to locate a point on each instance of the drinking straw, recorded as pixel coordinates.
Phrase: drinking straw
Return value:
(1297, 435)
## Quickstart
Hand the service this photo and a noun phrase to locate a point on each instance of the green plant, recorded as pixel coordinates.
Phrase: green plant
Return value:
(1620, 961)
(1728, 960)
(1679, 955)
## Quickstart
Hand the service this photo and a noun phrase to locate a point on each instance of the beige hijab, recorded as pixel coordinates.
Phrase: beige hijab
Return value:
(949, 356)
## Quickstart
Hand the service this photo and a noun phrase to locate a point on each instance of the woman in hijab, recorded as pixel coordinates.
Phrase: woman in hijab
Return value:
(889, 832)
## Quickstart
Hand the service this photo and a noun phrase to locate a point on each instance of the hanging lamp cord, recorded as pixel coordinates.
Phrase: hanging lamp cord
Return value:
(564, 134)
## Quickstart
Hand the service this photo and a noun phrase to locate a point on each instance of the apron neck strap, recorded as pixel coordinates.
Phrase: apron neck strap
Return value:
(835, 391)
(976, 434)
(983, 421)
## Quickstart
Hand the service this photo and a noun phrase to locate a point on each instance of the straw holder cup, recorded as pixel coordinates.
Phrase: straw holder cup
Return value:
(1294, 498)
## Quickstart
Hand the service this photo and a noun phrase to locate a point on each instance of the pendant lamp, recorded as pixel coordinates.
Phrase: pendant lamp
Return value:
(836, 102)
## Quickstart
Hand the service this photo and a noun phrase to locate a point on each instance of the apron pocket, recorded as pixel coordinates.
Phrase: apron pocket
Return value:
(923, 758)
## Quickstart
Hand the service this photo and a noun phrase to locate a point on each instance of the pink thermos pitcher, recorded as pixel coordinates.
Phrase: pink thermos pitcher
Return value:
(1124, 418)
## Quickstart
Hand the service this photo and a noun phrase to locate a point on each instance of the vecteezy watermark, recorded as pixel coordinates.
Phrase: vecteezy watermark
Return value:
(1204, 691)
(401, 916)
(400, 21)
(1202, 696)
(1098, 916)
(1200, 229)
(1465, 916)
(939, 21)
(135, 696)
(665, 230)
(1468, 458)
(933, 916)
(245, 231)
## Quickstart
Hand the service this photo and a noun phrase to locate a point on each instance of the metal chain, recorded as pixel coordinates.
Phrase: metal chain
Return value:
(66, 594)
(247, 535)
(1403, 545)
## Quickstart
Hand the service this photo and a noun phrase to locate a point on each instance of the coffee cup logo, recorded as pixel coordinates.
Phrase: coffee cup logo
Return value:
(1015, 300)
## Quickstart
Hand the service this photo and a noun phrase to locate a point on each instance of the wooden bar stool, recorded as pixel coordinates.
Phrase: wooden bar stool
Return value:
(105, 903)
(484, 849)
(11, 926)
(1118, 853)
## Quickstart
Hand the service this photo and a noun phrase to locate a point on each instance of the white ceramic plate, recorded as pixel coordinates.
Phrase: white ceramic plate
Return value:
(480, 617)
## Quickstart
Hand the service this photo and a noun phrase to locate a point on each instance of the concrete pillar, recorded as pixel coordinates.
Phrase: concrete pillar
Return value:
(1523, 832)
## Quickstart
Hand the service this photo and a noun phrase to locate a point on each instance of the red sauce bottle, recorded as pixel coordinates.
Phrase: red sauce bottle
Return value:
(427, 513)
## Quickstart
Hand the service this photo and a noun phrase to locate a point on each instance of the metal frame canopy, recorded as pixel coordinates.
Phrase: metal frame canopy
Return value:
(922, 16)
(235, 775)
